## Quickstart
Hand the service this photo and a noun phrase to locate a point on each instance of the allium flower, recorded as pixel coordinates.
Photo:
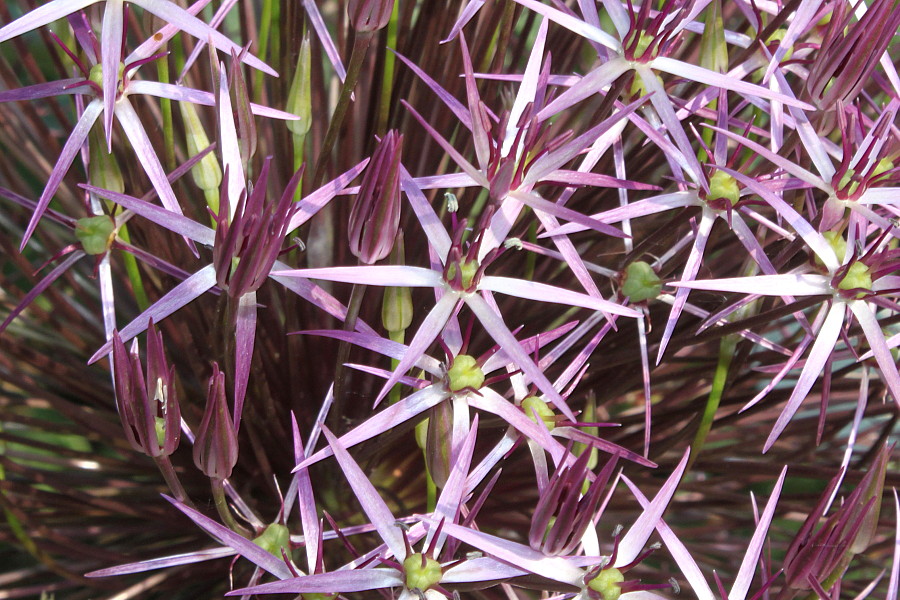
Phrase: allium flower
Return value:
(113, 36)
(118, 104)
(461, 280)
(216, 446)
(596, 578)
(148, 407)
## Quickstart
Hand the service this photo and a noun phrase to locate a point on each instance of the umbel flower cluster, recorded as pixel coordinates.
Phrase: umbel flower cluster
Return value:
(419, 299)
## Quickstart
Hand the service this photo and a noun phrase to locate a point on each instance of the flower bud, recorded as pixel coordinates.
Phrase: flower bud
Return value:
(563, 513)
(438, 440)
(148, 408)
(216, 446)
(375, 216)
(369, 15)
(103, 169)
(207, 173)
(299, 98)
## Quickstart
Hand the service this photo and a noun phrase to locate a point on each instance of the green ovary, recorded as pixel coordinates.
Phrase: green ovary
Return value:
(96, 234)
(607, 584)
(467, 270)
(421, 572)
(464, 373)
(857, 277)
(723, 186)
(275, 537)
(641, 282)
(533, 404)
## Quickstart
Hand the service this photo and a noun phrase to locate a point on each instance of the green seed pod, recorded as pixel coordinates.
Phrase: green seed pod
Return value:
(96, 234)
(421, 572)
(640, 282)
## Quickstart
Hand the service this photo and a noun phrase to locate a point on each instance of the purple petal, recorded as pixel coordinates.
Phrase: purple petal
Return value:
(518, 555)
(174, 222)
(244, 338)
(532, 290)
(42, 285)
(180, 295)
(378, 344)
(809, 284)
(313, 203)
(412, 406)
(306, 501)
(595, 34)
(492, 402)
(451, 498)
(428, 219)
(188, 558)
(498, 330)
(171, 13)
(45, 90)
(561, 212)
(480, 569)
(455, 106)
(712, 78)
(321, 30)
(73, 146)
(376, 510)
(818, 355)
(679, 552)
(186, 94)
(42, 15)
(343, 582)
(238, 543)
(748, 565)
(426, 334)
(634, 541)
(587, 86)
(875, 337)
(384, 275)
(113, 31)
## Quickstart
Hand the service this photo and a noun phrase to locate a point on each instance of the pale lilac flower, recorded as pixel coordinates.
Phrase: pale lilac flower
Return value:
(460, 278)
(121, 107)
(113, 35)
(580, 571)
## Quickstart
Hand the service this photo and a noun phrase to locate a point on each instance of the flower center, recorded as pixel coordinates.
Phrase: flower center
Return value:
(606, 583)
(723, 188)
(460, 275)
(421, 572)
(464, 373)
(858, 277)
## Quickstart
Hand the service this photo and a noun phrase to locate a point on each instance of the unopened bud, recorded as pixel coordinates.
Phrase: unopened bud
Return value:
(103, 169)
(216, 446)
(299, 98)
(375, 216)
(207, 173)
(369, 15)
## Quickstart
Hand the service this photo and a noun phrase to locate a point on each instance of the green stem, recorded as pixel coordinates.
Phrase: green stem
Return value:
(134, 273)
(360, 48)
(265, 27)
(171, 477)
(720, 378)
(218, 491)
(387, 81)
(165, 105)
(399, 337)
